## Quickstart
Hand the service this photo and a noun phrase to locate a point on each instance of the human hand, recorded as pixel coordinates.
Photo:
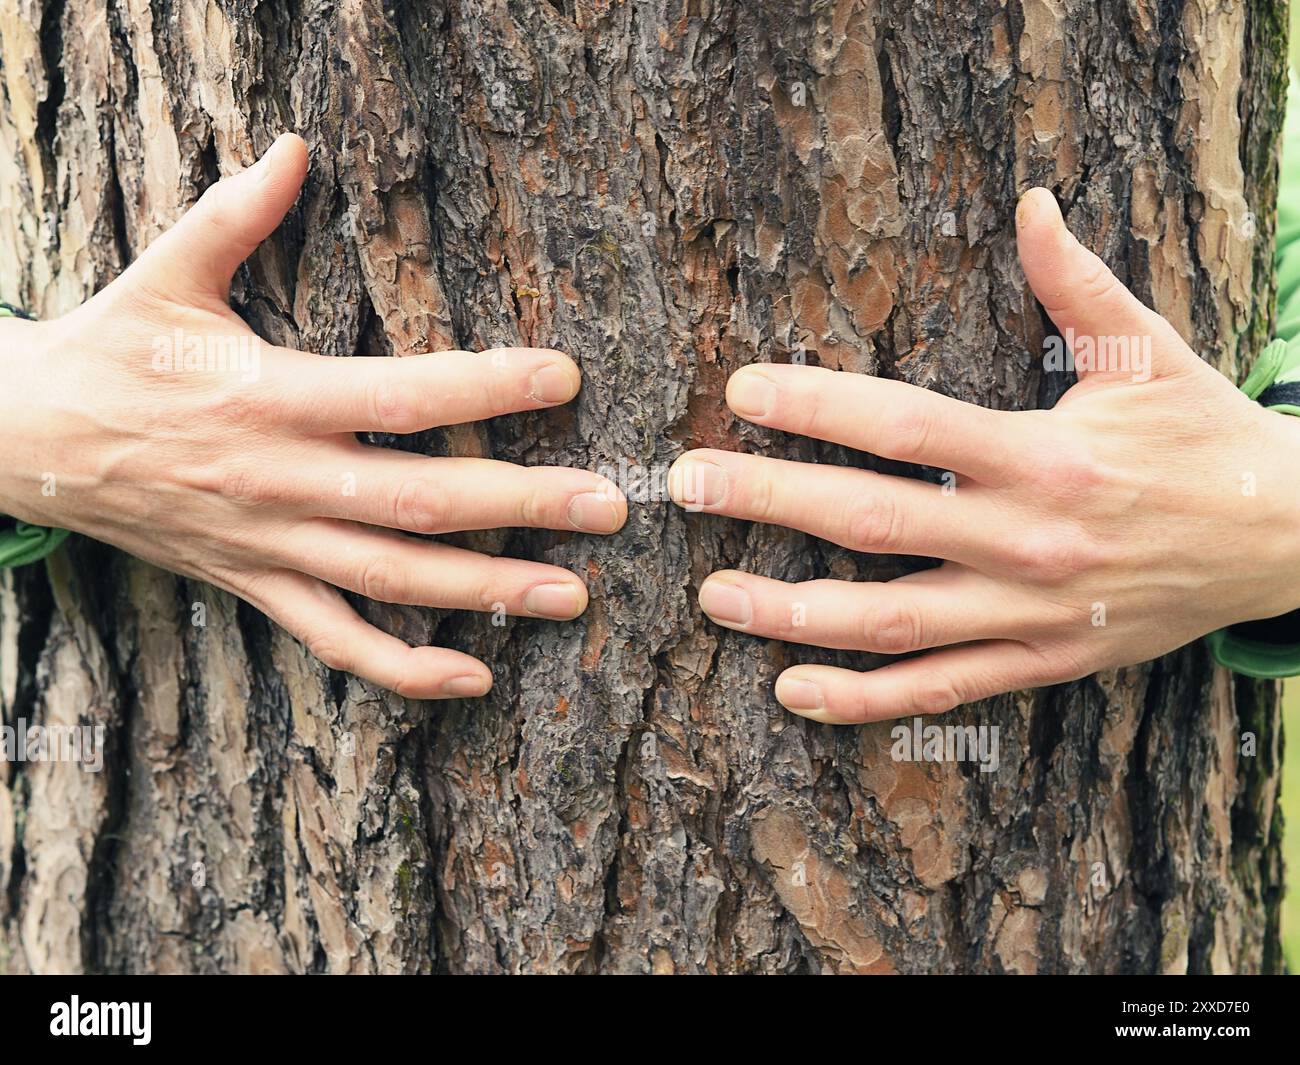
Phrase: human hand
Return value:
(1135, 516)
(242, 469)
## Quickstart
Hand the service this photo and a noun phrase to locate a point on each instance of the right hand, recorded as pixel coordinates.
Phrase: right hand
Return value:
(1153, 504)
(251, 477)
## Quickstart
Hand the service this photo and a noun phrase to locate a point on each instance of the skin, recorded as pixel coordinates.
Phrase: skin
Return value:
(1134, 517)
(1104, 532)
(259, 486)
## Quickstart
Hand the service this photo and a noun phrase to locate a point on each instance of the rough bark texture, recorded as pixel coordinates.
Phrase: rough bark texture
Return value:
(668, 190)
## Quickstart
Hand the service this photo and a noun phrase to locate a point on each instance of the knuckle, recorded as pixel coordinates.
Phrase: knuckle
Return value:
(533, 510)
(243, 487)
(485, 597)
(1063, 661)
(219, 212)
(1080, 480)
(1058, 557)
(760, 497)
(402, 684)
(382, 580)
(912, 432)
(786, 618)
(936, 694)
(1068, 472)
(213, 205)
(895, 628)
(327, 649)
(502, 383)
(1097, 281)
(392, 408)
(418, 508)
(806, 406)
(875, 523)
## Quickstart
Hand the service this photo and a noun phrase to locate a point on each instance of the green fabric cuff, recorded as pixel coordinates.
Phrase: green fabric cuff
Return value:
(21, 543)
(1275, 378)
(25, 543)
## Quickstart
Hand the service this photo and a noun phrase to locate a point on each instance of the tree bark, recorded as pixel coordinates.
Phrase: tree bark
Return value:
(667, 191)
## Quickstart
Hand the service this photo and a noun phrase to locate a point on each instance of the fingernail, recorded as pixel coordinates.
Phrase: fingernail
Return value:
(726, 603)
(593, 512)
(800, 696)
(466, 687)
(751, 394)
(559, 601)
(551, 384)
(698, 483)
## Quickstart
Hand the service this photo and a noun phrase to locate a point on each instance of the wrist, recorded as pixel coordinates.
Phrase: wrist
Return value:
(26, 492)
(1277, 551)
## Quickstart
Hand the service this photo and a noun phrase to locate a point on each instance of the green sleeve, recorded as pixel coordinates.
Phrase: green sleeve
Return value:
(1271, 648)
(21, 543)
(1288, 221)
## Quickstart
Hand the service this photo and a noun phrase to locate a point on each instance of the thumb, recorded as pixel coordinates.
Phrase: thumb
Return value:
(1106, 327)
(204, 249)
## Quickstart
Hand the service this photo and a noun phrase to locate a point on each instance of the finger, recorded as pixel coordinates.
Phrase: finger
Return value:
(1106, 327)
(204, 249)
(857, 509)
(890, 617)
(416, 392)
(929, 684)
(333, 632)
(888, 418)
(390, 568)
(400, 490)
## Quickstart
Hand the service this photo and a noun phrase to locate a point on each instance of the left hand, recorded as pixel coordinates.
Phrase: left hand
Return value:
(152, 418)
(1153, 504)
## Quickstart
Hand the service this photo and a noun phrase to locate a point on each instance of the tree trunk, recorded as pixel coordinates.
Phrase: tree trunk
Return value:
(667, 191)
